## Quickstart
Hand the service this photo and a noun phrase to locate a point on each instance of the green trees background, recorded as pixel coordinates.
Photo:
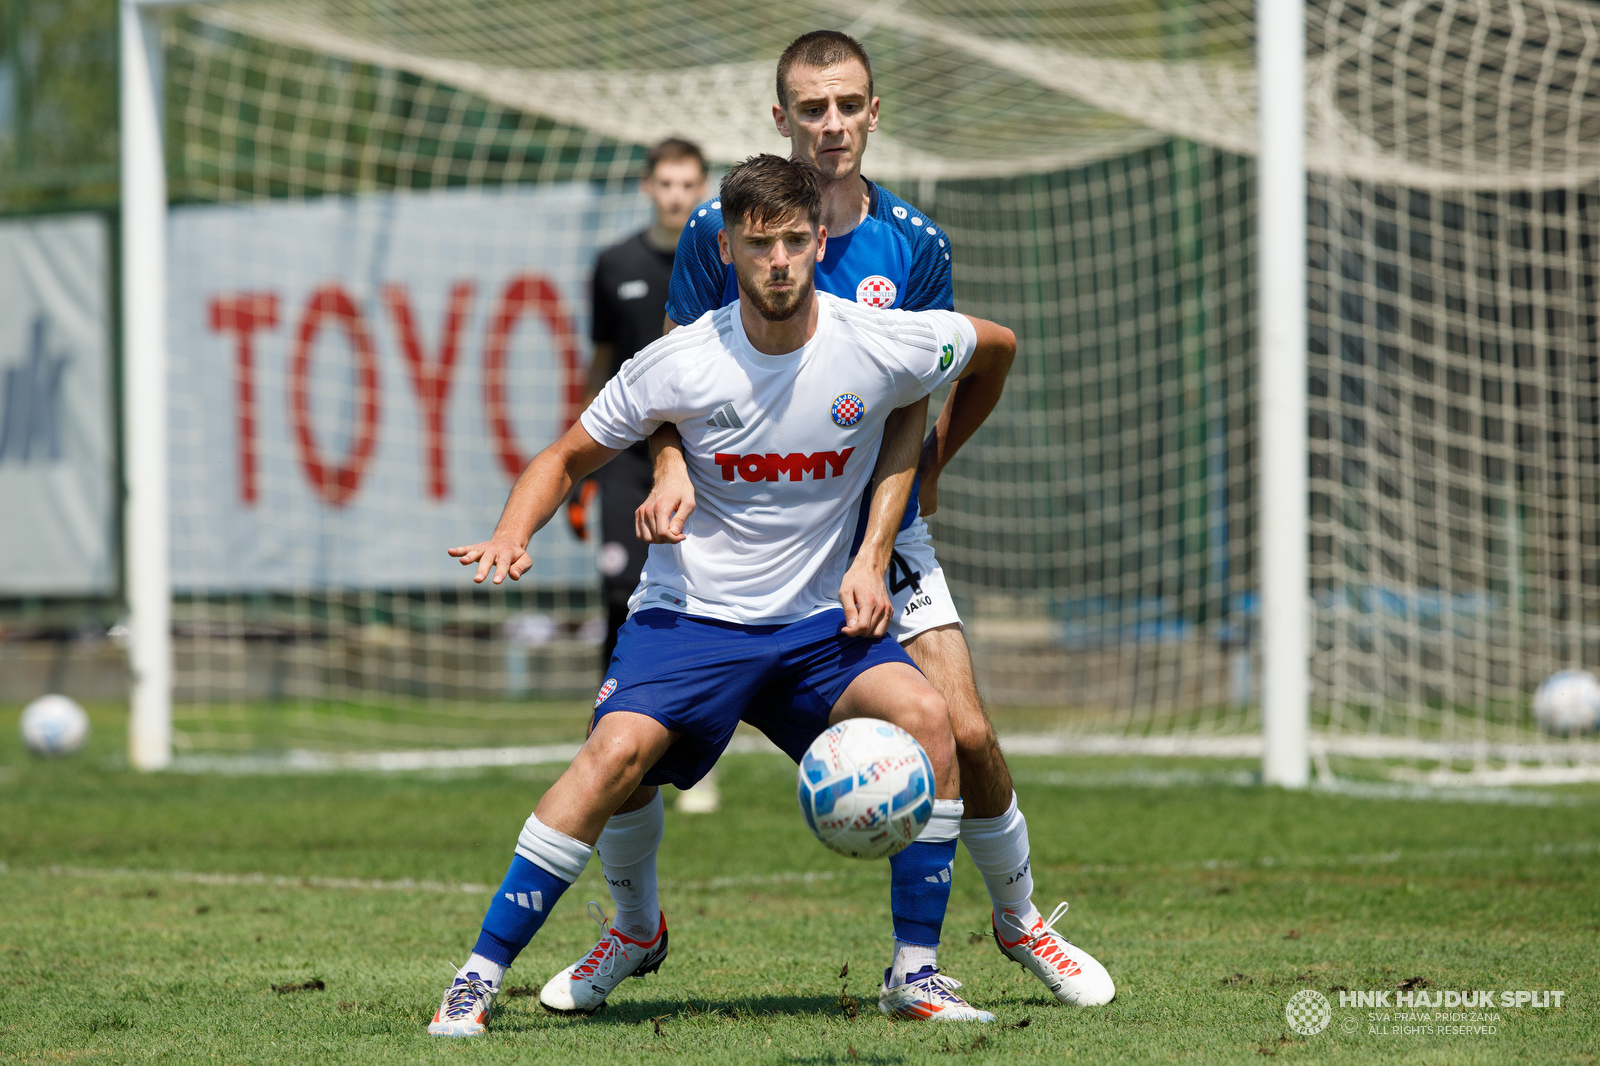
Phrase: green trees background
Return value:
(58, 105)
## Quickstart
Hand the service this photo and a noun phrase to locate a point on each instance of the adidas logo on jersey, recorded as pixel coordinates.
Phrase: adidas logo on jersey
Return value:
(528, 901)
(726, 418)
(771, 466)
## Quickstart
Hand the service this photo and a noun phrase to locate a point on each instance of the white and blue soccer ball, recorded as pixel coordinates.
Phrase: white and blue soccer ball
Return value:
(54, 725)
(1568, 702)
(866, 788)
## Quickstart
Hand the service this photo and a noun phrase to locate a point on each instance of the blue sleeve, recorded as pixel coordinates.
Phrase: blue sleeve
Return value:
(699, 275)
(929, 288)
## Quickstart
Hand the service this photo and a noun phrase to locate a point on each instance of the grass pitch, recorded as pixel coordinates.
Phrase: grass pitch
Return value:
(191, 918)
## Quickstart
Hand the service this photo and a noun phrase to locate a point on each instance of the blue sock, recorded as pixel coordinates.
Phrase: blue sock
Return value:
(519, 909)
(919, 890)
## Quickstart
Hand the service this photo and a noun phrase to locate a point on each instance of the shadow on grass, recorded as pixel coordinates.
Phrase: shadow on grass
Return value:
(664, 1014)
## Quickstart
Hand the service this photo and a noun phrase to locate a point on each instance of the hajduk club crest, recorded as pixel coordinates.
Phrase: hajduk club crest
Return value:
(876, 291)
(848, 409)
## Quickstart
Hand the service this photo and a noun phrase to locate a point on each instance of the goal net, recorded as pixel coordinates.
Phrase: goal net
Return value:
(384, 215)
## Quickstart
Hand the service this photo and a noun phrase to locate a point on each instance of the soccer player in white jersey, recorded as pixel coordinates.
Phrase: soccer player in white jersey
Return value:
(882, 252)
(746, 608)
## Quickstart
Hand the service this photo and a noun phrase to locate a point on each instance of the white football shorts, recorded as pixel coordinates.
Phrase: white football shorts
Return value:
(917, 586)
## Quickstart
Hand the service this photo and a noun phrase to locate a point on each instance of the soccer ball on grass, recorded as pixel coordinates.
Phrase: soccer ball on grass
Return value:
(866, 788)
(1568, 702)
(54, 725)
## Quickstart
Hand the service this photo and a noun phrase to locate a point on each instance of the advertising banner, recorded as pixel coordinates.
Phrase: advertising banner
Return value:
(57, 459)
(356, 382)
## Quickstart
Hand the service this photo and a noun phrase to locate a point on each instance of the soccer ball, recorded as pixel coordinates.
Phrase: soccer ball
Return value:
(54, 725)
(866, 788)
(1568, 702)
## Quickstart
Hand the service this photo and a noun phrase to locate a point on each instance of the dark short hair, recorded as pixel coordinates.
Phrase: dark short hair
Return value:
(670, 151)
(766, 188)
(820, 49)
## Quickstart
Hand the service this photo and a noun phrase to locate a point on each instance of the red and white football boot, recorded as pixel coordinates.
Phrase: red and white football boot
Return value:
(1072, 974)
(582, 988)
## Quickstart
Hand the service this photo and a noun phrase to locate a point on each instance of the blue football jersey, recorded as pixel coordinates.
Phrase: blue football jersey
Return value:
(895, 258)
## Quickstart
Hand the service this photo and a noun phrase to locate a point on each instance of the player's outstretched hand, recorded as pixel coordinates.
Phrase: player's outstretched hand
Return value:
(661, 517)
(502, 556)
(867, 607)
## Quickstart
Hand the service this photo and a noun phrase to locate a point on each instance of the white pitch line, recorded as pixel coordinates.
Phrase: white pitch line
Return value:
(301, 761)
(1444, 791)
(406, 884)
(1260, 862)
(267, 880)
(1466, 787)
(1510, 775)
(1381, 858)
(750, 880)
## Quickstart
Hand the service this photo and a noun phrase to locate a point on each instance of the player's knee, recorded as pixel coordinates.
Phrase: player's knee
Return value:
(926, 716)
(615, 756)
(927, 708)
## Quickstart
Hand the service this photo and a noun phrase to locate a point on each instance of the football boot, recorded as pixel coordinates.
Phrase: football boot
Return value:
(582, 988)
(928, 994)
(465, 1011)
(1072, 974)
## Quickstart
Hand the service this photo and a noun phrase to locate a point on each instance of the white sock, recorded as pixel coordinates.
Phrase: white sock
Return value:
(552, 850)
(627, 847)
(908, 959)
(999, 849)
(487, 969)
(946, 821)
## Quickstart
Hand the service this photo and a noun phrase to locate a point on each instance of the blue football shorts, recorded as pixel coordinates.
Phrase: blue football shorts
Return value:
(700, 676)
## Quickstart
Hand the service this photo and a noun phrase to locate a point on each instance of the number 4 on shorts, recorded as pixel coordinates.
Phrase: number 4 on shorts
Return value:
(901, 575)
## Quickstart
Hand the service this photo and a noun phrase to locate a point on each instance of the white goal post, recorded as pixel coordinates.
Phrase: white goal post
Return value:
(1281, 248)
(144, 377)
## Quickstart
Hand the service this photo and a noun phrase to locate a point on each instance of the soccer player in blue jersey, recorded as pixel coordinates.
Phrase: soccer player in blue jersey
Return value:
(881, 252)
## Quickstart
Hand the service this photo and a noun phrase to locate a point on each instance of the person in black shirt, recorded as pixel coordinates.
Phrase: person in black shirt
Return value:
(629, 308)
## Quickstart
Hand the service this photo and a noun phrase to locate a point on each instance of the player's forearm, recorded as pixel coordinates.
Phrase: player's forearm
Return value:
(963, 412)
(666, 452)
(892, 479)
(889, 500)
(971, 399)
(540, 489)
(534, 498)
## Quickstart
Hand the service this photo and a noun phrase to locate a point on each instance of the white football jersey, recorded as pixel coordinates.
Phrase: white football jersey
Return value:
(780, 448)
